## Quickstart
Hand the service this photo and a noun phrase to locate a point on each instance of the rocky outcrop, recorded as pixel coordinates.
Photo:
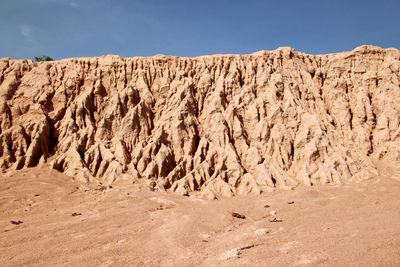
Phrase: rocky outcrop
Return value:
(223, 124)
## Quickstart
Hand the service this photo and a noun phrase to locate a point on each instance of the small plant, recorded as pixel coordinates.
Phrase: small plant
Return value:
(43, 58)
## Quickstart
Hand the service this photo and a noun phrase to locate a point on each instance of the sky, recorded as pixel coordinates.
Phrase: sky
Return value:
(86, 28)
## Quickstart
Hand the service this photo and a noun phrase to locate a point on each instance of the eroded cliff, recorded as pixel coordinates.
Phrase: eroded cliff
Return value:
(222, 124)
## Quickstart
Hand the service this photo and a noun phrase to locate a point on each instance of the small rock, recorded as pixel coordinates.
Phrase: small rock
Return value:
(182, 190)
(76, 214)
(237, 215)
(152, 186)
(104, 188)
(272, 212)
(207, 235)
(233, 253)
(16, 222)
(247, 246)
(275, 220)
(261, 231)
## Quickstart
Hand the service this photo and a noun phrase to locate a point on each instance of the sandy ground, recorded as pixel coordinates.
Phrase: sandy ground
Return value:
(65, 223)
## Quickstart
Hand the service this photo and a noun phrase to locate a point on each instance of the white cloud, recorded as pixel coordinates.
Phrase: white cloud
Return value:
(70, 3)
(44, 1)
(28, 32)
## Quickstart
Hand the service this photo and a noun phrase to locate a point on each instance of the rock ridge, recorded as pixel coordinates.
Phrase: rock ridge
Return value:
(223, 124)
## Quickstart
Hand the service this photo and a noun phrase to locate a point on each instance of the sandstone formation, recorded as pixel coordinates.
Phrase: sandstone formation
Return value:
(223, 124)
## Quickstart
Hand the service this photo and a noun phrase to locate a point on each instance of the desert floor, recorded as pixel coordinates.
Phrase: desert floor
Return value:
(65, 223)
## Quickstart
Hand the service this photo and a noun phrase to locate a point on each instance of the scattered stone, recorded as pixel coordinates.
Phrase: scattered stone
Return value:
(16, 222)
(104, 188)
(237, 215)
(182, 190)
(291, 202)
(207, 235)
(247, 246)
(234, 253)
(76, 214)
(261, 231)
(275, 220)
(152, 186)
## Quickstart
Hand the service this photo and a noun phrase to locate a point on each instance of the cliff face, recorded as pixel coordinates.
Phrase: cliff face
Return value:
(223, 124)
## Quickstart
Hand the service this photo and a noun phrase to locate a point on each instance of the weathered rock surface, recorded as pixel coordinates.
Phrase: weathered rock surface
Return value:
(223, 124)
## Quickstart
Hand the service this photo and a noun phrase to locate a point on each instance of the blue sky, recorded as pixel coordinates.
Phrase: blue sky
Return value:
(77, 28)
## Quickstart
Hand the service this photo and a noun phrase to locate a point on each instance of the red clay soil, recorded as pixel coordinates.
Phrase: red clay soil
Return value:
(63, 223)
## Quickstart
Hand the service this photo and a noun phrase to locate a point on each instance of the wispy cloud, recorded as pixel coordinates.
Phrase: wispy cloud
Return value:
(70, 3)
(44, 1)
(28, 32)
